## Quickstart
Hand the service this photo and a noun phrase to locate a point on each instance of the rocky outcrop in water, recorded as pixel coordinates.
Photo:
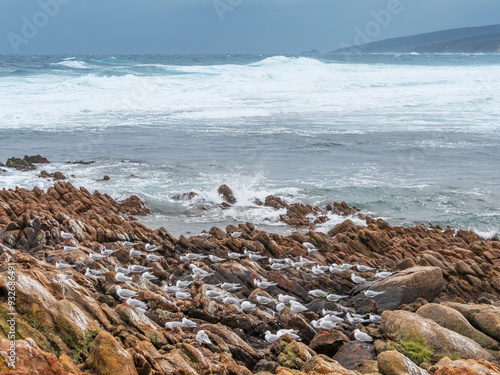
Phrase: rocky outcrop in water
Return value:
(438, 304)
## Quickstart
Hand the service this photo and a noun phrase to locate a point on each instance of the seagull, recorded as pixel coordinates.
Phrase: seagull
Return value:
(188, 323)
(263, 284)
(171, 325)
(69, 249)
(306, 261)
(231, 300)
(93, 256)
(265, 300)
(357, 279)
(233, 255)
(153, 258)
(236, 234)
(317, 293)
(271, 337)
(362, 337)
(137, 268)
(122, 278)
(317, 271)
(88, 273)
(335, 297)
(309, 246)
(346, 266)
(200, 273)
(312, 251)
(149, 276)
(291, 332)
(383, 274)
(183, 283)
(372, 293)
(136, 303)
(202, 338)
(215, 259)
(107, 252)
(276, 260)
(327, 324)
(67, 235)
(256, 256)
(353, 319)
(205, 235)
(325, 312)
(129, 244)
(284, 298)
(173, 289)
(121, 269)
(362, 268)
(332, 318)
(247, 306)
(135, 253)
(278, 266)
(183, 295)
(124, 293)
(230, 286)
(335, 268)
(63, 266)
(375, 318)
(149, 247)
(215, 294)
(280, 306)
(297, 307)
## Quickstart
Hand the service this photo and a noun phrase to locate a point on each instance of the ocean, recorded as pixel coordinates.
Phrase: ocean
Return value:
(405, 137)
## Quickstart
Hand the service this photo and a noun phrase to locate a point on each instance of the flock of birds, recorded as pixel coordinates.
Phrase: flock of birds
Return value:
(224, 291)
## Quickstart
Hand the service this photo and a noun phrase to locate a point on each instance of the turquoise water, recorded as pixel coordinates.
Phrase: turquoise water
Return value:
(409, 138)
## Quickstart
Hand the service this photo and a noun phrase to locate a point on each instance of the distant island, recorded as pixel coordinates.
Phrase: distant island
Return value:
(485, 39)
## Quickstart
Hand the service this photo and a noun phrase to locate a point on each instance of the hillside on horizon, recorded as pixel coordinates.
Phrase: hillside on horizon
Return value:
(484, 39)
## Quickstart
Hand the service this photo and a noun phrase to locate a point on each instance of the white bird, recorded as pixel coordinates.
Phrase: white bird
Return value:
(69, 249)
(129, 244)
(325, 312)
(375, 318)
(149, 276)
(297, 307)
(173, 289)
(188, 323)
(346, 266)
(306, 261)
(183, 283)
(327, 324)
(335, 297)
(264, 300)
(205, 235)
(284, 298)
(93, 256)
(192, 256)
(149, 247)
(215, 259)
(153, 258)
(354, 319)
(312, 251)
(236, 234)
(278, 266)
(317, 271)
(202, 338)
(199, 272)
(363, 268)
(309, 246)
(138, 268)
(317, 293)
(122, 278)
(67, 235)
(357, 279)
(232, 300)
(124, 293)
(372, 293)
(107, 252)
(247, 306)
(256, 256)
(381, 275)
(171, 325)
(230, 286)
(215, 294)
(291, 332)
(335, 268)
(63, 266)
(88, 273)
(280, 306)
(233, 255)
(135, 253)
(270, 337)
(121, 269)
(183, 295)
(333, 318)
(263, 284)
(136, 303)
(361, 336)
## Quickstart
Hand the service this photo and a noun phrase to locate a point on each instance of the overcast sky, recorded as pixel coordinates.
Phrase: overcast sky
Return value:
(223, 26)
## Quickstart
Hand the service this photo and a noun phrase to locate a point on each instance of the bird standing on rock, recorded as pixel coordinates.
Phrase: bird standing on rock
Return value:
(362, 268)
(149, 247)
(202, 338)
(247, 306)
(121, 277)
(371, 293)
(297, 307)
(124, 293)
(362, 337)
(63, 266)
(357, 279)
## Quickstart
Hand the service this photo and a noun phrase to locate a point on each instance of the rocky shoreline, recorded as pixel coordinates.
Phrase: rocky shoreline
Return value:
(438, 303)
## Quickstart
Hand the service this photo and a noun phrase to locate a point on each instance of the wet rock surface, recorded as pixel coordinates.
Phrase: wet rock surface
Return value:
(437, 311)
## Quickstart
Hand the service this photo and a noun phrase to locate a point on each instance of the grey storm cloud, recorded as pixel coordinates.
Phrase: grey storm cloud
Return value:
(224, 26)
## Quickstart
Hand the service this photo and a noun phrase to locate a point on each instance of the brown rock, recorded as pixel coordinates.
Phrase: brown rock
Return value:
(328, 343)
(227, 194)
(393, 362)
(37, 159)
(351, 353)
(468, 367)
(107, 357)
(321, 364)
